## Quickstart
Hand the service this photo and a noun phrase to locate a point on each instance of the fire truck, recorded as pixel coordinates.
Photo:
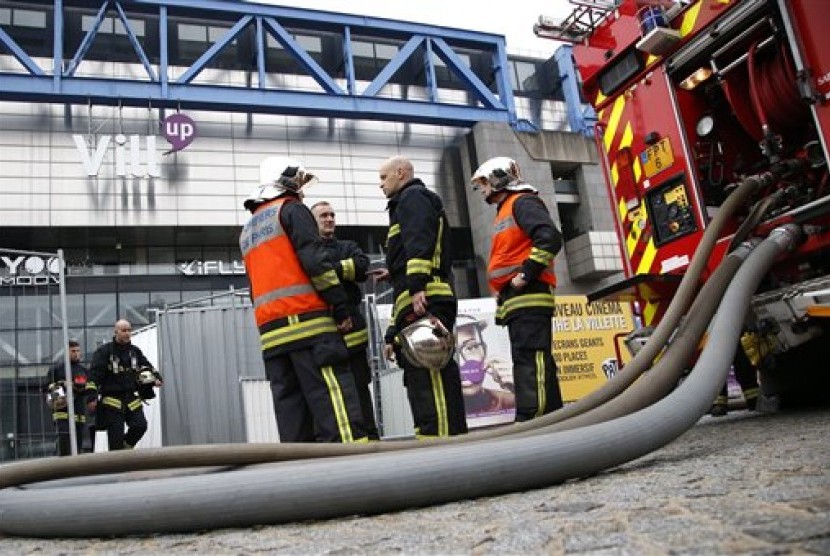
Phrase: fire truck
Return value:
(692, 99)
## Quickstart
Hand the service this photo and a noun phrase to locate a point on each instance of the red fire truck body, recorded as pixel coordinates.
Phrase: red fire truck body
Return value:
(692, 97)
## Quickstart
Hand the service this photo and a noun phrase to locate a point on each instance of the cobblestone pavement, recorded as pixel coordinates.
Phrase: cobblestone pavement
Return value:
(747, 483)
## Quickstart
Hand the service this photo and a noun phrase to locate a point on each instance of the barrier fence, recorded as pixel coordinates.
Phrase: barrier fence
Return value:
(34, 334)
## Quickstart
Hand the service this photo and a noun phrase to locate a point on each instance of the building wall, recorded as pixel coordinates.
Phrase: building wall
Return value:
(537, 157)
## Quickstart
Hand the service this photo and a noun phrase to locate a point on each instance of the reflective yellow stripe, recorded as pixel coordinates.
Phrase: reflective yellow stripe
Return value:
(338, 405)
(297, 331)
(133, 405)
(436, 257)
(418, 266)
(433, 288)
(64, 416)
(529, 300)
(348, 269)
(440, 402)
(325, 280)
(541, 391)
(354, 339)
(112, 402)
(613, 122)
(541, 256)
(648, 258)
(689, 19)
(394, 230)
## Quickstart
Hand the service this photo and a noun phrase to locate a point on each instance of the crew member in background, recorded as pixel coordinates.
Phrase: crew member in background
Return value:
(56, 399)
(418, 262)
(301, 310)
(351, 265)
(746, 373)
(520, 273)
(120, 378)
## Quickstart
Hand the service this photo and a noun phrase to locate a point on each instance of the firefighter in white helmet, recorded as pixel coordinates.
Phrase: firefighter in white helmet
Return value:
(521, 275)
(301, 310)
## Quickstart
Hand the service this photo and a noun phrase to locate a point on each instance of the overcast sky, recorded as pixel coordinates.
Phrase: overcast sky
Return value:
(513, 19)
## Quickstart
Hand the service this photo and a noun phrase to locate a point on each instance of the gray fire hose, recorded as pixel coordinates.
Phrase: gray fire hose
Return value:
(375, 483)
(237, 454)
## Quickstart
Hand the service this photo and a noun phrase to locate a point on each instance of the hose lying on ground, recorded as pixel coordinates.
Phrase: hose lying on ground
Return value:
(244, 454)
(375, 483)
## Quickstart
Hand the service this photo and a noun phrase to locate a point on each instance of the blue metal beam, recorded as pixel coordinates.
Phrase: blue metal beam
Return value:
(19, 53)
(581, 116)
(312, 67)
(134, 41)
(241, 99)
(340, 97)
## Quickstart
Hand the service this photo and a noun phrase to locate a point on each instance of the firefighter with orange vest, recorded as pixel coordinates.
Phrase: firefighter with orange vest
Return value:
(301, 310)
(418, 263)
(520, 273)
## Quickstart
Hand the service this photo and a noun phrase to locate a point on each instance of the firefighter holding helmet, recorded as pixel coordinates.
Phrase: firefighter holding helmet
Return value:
(418, 263)
(520, 273)
(56, 399)
(301, 311)
(116, 391)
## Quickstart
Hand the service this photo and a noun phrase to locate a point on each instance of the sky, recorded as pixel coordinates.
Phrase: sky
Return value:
(513, 19)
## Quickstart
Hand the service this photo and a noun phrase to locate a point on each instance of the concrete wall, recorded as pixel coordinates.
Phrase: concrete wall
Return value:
(541, 156)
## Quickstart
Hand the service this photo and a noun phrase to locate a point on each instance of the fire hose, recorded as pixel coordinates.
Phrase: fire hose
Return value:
(381, 482)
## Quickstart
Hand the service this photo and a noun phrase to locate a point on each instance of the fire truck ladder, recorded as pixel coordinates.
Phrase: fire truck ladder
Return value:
(585, 17)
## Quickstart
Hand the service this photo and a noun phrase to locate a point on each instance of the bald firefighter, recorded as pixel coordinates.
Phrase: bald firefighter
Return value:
(418, 263)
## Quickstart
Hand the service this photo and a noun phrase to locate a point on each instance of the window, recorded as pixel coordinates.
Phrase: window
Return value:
(113, 25)
(100, 309)
(29, 18)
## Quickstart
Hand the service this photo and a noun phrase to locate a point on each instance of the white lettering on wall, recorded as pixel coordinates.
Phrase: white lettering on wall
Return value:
(93, 159)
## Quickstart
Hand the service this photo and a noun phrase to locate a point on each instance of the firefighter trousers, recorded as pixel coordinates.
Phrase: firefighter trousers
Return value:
(64, 441)
(435, 395)
(113, 414)
(314, 401)
(363, 379)
(534, 370)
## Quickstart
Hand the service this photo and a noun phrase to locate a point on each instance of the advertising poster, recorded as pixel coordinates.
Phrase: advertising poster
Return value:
(584, 337)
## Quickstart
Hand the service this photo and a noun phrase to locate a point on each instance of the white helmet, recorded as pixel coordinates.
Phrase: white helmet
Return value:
(278, 175)
(501, 173)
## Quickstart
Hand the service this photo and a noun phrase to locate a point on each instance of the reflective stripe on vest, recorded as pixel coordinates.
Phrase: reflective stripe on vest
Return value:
(279, 286)
(511, 248)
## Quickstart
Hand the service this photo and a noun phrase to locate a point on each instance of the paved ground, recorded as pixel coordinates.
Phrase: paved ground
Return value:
(744, 484)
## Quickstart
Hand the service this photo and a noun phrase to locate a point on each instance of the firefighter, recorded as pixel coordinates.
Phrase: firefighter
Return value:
(520, 273)
(418, 262)
(120, 379)
(57, 401)
(301, 310)
(351, 265)
(747, 377)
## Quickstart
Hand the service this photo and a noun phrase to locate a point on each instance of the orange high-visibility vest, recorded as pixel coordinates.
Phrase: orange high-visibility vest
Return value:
(279, 285)
(511, 248)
